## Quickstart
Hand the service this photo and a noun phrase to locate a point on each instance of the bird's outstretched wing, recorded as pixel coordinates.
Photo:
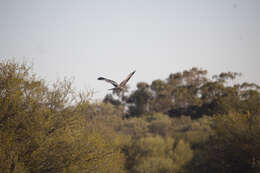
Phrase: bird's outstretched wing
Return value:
(123, 83)
(109, 81)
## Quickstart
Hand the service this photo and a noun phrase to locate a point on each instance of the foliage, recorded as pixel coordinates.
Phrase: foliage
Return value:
(186, 123)
(234, 146)
(157, 154)
(193, 94)
(42, 131)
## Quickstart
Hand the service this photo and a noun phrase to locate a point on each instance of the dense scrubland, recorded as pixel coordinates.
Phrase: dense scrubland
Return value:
(187, 123)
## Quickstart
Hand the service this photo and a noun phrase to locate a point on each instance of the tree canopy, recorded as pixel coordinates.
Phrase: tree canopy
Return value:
(186, 123)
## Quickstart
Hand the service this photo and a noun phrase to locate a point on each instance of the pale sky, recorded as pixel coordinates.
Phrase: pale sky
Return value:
(86, 39)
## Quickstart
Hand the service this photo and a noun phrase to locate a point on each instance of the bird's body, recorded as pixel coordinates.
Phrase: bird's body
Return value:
(118, 88)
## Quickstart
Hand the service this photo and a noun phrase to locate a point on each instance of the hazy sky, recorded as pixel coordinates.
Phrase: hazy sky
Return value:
(86, 39)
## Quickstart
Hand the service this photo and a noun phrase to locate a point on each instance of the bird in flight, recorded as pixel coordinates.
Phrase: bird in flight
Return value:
(118, 87)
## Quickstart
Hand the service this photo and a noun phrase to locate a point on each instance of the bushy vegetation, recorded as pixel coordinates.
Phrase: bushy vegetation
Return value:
(186, 123)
